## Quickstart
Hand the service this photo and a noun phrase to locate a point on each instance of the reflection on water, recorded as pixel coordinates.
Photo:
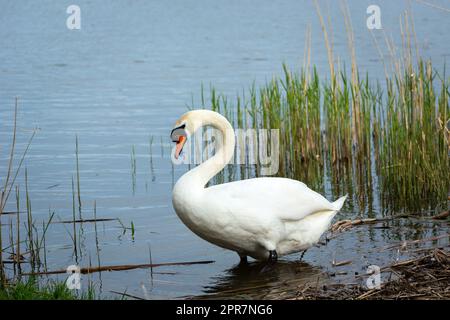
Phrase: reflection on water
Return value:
(344, 258)
(262, 281)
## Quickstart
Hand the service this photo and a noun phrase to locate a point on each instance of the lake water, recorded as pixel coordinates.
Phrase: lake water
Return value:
(126, 76)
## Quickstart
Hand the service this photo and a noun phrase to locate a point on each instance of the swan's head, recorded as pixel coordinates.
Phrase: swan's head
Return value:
(184, 127)
(193, 120)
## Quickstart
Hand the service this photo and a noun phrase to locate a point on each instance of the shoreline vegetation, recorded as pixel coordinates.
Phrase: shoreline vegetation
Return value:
(52, 290)
(355, 135)
(425, 276)
(394, 142)
(380, 143)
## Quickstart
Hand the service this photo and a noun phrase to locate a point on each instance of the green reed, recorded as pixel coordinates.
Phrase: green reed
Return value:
(414, 138)
(350, 134)
(350, 131)
(133, 169)
(8, 183)
(78, 176)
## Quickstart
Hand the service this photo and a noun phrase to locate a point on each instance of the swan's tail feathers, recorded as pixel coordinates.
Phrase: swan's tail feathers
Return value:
(339, 202)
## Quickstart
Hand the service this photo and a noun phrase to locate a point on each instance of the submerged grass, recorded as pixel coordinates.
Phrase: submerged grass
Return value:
(30, 252)
(8, 185)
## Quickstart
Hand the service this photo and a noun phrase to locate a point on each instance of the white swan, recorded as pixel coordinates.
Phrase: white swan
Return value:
(262, 217)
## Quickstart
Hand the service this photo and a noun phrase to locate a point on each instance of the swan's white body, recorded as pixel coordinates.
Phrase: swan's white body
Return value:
(254, 216)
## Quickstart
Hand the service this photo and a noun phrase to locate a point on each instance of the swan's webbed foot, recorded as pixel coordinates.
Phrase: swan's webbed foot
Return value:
(273, 256)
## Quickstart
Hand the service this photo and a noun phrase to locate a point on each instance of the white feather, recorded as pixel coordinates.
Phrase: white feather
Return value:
(250, 216)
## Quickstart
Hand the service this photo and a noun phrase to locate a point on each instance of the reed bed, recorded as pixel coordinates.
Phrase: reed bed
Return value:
(355, 135)
(398, 134)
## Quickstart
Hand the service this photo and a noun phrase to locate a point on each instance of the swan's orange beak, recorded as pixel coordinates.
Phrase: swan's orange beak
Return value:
(179, 146)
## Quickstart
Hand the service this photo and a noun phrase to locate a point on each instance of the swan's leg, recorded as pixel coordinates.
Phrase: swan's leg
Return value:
(273, 256)
(303, 253)
(243, 258)
(270, 265)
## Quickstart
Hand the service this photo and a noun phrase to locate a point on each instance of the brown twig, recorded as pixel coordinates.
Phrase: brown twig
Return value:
(122, 267)
(87, 220)
(441, 216)
(406, 243)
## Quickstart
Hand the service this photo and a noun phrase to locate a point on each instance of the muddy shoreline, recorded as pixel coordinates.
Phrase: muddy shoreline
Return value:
(425, 277)
(410, 269)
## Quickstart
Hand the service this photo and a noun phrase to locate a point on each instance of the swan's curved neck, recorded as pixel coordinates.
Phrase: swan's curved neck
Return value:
(224, 151)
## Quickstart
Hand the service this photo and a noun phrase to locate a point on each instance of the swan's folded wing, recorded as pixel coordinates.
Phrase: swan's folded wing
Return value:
(284, 198)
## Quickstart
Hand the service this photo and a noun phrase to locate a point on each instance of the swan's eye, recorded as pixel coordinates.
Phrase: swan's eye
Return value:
(178, 132)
